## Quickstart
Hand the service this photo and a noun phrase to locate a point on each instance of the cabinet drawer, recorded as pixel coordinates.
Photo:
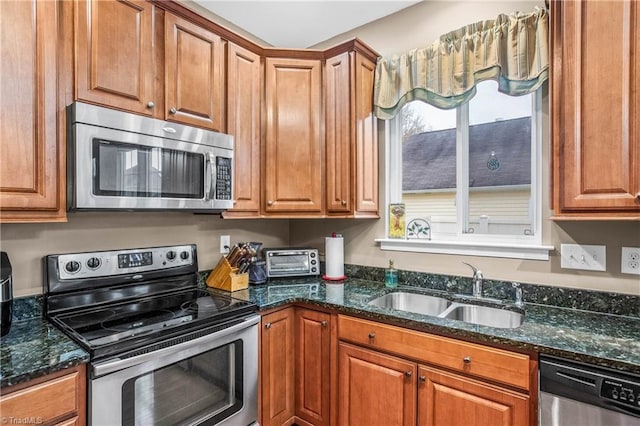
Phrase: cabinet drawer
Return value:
(494, 364)
(46, 401)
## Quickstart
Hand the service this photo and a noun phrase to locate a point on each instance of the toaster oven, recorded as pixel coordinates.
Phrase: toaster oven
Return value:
(291, 262)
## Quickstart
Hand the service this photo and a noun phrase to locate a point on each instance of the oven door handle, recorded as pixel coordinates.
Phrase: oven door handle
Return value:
(117, 364)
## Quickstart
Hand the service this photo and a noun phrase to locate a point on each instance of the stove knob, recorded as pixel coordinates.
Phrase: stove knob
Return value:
(72, 266)
(93, 263)
(184, 255)
(171, 255)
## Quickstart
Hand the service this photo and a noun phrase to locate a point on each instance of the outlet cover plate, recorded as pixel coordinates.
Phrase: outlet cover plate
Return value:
(582, 256)
(630, 263)
(225, 242)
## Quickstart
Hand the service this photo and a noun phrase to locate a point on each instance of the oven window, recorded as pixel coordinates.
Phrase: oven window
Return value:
(130, 170)
(201, 390)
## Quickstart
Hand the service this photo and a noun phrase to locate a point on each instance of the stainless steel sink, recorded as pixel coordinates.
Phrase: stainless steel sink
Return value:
(484, 315)
(443, 308)
(412, 302)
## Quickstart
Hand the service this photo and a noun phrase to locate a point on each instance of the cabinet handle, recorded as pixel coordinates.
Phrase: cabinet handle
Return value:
(150, 104)
(343, 202)
(173, 110)
(323, 323)
(407, 373)
(267, 325)
(270, 202)
(466, 360)
(638, 197)
(422, 378)
(372, 335)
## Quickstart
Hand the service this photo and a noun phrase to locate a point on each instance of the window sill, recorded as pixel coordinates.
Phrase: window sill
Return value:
(514, 251)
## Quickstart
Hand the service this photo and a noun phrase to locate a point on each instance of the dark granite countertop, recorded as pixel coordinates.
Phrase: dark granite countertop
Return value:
(33, 348)
(597, 338)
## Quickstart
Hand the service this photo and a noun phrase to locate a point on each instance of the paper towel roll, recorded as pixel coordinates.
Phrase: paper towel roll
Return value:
(334, 258)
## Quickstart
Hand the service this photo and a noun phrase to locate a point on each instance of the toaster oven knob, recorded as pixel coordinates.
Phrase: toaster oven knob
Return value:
(93, 263)
(171, 255)
(72, 266)
(184, 255)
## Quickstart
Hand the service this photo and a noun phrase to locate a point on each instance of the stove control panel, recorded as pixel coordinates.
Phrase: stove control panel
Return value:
(118, 262)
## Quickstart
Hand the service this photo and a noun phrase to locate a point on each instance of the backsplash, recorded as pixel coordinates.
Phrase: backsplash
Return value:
(596, 301)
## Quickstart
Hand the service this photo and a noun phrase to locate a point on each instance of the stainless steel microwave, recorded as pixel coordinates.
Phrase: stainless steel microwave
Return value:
(122, 161)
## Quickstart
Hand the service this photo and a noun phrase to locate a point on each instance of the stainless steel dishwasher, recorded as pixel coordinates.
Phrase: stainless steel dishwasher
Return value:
(576, 394)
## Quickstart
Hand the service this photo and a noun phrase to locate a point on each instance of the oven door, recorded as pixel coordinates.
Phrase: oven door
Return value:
(115, 169)
(205, 381)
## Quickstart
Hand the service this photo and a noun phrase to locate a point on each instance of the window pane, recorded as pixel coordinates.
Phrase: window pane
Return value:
(429, 166)
(499, 162)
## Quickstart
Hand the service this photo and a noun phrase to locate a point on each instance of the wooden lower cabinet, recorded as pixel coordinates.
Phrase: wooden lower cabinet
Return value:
(58, 399)
(375, 389)
(447, 399)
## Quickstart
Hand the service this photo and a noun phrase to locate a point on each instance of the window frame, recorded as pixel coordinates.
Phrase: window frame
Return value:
(492, 245)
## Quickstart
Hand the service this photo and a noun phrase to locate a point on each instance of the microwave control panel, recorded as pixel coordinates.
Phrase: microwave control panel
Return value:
(223, 178)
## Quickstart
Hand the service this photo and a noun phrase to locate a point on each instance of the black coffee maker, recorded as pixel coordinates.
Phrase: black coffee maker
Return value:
(6, 293)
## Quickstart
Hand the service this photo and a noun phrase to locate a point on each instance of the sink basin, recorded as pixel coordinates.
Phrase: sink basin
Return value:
(412, 302)
(484, 315)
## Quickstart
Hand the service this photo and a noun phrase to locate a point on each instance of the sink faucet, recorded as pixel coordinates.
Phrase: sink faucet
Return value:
(478, 279)
(518, 302)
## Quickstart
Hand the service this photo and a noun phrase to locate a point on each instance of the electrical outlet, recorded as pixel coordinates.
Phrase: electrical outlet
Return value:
(630, 260)
(581, 256)
(225, 243)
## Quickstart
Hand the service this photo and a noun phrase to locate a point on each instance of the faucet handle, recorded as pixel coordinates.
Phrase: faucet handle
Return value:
(476, 271)
(518, 302)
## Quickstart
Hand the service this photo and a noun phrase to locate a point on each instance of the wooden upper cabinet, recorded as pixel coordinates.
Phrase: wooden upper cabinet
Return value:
(446, 399)
(293, 144)
(595, 89)
(339, 143)
(194, 74)
(244, 88)
(351, 135)
(114, 54)
(32, 179)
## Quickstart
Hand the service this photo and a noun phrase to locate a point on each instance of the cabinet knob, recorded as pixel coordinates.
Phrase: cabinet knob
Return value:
(407, 373)
(638, 197)
(173, 110)
(466, 360)
(422, 378)
(372, 335)
(323, 323)
(150, 105)
(270, 202)
(267, 325)
(343, 202)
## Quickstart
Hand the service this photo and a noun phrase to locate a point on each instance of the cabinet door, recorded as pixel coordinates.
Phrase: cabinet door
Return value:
(293, 158)
(366, 135)
(277, 367)
(244, 86)
(338, 135)
(32, 162)
(595, 107)
(114, 54)
(446, 399)
(313, 371)
(375, 389)
(194, 74)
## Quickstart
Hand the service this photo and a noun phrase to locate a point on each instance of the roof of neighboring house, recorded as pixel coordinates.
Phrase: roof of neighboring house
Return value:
(429, 159)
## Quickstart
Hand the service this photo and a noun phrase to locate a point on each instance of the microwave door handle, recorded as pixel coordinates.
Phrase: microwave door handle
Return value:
(210, 177)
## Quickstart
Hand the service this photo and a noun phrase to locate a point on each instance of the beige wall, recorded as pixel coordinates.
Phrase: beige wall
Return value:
(26, 244)
(414, 27)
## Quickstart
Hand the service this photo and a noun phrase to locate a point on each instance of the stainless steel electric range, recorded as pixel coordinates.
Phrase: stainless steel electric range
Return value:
(163, 351)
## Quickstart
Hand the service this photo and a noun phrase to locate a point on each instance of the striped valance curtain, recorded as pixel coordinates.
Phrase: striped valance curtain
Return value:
(512, 49)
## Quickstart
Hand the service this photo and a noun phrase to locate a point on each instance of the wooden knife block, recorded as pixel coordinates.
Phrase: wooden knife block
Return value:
(224, 277)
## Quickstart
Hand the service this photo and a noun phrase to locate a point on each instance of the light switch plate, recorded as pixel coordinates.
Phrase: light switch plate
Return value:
(585, 257)
(630, 260)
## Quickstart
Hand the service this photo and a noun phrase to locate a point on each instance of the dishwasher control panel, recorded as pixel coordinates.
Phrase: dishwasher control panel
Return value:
(621, 392)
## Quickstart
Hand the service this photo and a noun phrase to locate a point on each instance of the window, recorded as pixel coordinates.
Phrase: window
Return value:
(472, 173)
